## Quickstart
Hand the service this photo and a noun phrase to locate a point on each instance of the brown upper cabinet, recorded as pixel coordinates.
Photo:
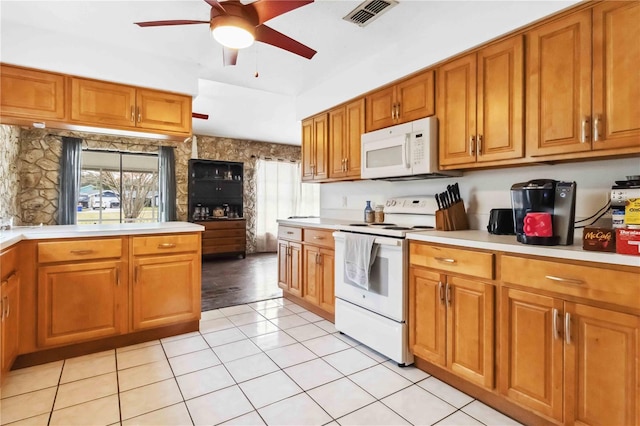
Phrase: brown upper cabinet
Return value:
(346, 125)
(407, 100)
(114, 105)
(480, 105)
(315, 148)
(31, 94)
(582, 82)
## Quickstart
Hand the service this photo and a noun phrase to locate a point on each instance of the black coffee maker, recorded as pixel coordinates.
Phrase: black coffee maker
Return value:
(554, 200)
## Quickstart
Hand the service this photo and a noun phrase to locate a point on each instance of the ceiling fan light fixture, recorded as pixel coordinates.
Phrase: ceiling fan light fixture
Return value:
(232, 32)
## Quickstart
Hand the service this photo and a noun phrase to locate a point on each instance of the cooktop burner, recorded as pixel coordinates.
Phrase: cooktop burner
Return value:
(358, 224)
(422, 227)
(397, 228)
(382, 224)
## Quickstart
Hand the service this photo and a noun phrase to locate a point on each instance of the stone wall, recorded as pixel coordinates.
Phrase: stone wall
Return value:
(247, 152)
(38, 168)
(9, 174)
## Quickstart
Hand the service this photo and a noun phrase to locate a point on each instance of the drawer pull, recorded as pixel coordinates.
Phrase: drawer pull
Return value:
(564, 280)
(81, 252)
(166, 245)
(567, 328)
(445, 260)
(318, 238)
(554, 325)
(289, 232)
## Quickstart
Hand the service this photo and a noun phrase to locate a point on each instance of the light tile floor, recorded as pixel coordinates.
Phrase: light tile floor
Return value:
(269, 362)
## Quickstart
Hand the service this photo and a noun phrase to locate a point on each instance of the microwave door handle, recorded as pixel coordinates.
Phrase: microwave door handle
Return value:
(407, 140)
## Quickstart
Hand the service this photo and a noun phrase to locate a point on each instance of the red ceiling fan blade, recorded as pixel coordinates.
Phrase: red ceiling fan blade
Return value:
(268, 9)
(229, 56)
(270, 36)
(165, 23)
(216, 5)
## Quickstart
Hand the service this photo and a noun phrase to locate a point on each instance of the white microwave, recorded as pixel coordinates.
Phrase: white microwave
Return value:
(402, 152)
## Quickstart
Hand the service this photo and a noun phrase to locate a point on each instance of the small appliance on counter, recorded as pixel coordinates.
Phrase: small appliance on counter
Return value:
(544, 211)
(621, 192)
(501, 222)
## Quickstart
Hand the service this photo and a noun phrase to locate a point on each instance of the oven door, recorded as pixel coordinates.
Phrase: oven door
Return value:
(387, 281)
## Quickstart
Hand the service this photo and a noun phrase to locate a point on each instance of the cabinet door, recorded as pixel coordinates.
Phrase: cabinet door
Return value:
(601, 370)
(166, 290)
(326, 297)
(415, 97)
(283, 265)
(355, 129)
(312, 279)
(616, 86)
(470, 324)
(457, 111)
(531, 351)
(559, 86)
(427, 316)
(321, 146)
(380, 109)
(31, 94)
(295, 277)
(10, 295)
(99, 103)
(337, 142)
(501, 101)
(308, 149)
(163, 111)
(80, 301)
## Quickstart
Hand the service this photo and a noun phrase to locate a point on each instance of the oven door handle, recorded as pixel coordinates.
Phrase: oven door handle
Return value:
(394, 242)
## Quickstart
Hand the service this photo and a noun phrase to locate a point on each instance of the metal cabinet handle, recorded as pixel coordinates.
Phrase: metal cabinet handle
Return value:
(2, 309)
(448, 294)
(139, 114)
(564, 280)
(441, 292)
(289, 232)
(397, 111)
(133, 114)
(554, 324)
(472, 143)
(346, 164)
(317, 237)
(81, 252)
(567, 328)
(166, 245)
(479, 144)
(596, 128)
(584, 137)
(319, 258)
(445, 259)
(117, 277)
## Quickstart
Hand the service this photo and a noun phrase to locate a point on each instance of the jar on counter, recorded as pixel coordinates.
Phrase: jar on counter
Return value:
(379, 214)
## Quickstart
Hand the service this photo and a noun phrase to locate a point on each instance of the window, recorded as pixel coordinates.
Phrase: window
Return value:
(118, 187)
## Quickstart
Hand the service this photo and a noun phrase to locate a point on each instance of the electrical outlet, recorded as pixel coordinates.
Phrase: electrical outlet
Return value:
(344, 201)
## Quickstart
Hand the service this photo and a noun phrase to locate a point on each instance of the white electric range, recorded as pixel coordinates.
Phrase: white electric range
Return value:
(378, 316)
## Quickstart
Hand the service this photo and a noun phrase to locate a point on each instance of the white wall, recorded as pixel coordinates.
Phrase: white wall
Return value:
(483, 190)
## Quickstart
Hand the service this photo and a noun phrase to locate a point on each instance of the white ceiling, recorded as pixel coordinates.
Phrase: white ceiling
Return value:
(98, 39)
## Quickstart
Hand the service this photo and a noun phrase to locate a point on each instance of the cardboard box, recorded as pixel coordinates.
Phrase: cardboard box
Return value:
(632, 211)
(628, 241)
(599, 239)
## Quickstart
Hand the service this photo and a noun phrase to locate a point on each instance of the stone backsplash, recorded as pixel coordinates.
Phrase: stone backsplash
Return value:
(29, 171)
(9, 177)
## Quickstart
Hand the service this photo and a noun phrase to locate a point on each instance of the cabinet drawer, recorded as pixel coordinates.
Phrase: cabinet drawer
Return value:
(8, 262)
(79, 249)
(290, 233)
(476, 263)
(223, 241)
(223, 233)
(223, 224)
(319, 237)
(162, 244)
(231, 248)
(599, 284)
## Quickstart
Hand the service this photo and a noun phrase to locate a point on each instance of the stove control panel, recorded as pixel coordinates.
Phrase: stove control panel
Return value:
(424, 204)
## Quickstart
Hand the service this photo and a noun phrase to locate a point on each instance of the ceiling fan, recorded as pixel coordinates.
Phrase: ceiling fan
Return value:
(236, 26)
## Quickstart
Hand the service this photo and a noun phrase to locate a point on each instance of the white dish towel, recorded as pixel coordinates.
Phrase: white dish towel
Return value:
(359, 254)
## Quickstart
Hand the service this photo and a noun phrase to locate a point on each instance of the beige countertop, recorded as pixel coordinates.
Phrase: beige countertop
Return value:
(19, 233)
(484, 240)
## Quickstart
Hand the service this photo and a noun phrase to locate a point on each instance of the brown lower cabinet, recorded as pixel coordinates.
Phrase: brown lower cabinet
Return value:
(567, 334)
(9, 308)
(224, 237)
(306, 260)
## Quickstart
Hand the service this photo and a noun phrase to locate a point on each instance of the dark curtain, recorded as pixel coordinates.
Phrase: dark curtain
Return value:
(69, 180)
(167, 184)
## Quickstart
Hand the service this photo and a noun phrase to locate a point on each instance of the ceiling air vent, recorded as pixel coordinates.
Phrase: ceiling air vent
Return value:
(368, 11)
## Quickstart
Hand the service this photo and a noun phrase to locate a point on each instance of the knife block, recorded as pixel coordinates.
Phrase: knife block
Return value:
(453, 218)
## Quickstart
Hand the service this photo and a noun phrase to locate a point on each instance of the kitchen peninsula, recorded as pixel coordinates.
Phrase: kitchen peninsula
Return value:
(71, 290)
